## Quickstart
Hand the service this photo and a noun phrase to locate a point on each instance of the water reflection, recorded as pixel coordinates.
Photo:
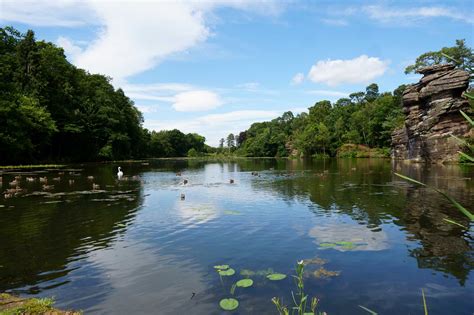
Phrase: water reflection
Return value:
(134, 246)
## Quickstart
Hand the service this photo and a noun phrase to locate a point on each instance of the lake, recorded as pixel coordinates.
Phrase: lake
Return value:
(134, 246)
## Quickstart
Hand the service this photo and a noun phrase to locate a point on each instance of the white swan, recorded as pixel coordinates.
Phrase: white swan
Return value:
(119, 173)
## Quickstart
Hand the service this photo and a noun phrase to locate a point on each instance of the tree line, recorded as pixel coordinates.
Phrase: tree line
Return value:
(52, 111)
(363, 118)
(367, 118)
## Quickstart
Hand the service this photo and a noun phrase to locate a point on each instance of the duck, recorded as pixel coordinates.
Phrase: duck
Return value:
(48, 187)
(43, 179)
(119, 173)
(95, 186)
(183, 196)
(185, 182)
(90, 177)
(30, 179)
(57, 179)
(14, 182)
(231, 181)
(71, 181)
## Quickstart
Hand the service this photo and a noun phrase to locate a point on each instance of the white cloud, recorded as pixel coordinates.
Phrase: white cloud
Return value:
(147, 109)
(328, 93)
(410, 14)
(69, 47)
(335, 22)
(358, 70)
(196, 101)
(297, 78)
(51, 13)
(132, 36)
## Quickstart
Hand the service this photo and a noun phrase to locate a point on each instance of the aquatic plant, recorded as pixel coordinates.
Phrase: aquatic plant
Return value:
(276, 276)
(301, 299)
(324, 273)
(229, 304)
(368, 310)
(454, 202)
(227, 272)
(244, 283)
(424, 302)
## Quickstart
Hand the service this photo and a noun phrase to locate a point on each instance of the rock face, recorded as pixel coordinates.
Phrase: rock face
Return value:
(431, 109)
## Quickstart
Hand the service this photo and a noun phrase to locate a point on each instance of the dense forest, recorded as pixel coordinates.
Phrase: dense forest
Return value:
(52, 111)
(364, 118)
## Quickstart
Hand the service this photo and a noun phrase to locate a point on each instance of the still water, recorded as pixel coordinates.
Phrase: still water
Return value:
(135, 247)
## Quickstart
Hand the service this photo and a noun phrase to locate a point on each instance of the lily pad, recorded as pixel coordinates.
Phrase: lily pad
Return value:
(276, 276)
(229, 304)
(228, 272)
(245, 283)
(221, 267)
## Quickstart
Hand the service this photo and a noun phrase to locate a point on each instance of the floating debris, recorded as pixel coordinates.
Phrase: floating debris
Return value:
(323, 273)
(315, 261)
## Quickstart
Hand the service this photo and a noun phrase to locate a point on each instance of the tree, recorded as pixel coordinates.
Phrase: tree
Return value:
(461, 55)
(371, 92)
(230, 141)
(221, 143)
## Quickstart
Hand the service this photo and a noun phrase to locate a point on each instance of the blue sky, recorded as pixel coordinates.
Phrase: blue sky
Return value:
(214, 67)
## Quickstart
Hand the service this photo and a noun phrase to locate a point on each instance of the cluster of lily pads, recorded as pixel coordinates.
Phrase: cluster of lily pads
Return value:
(230, 303)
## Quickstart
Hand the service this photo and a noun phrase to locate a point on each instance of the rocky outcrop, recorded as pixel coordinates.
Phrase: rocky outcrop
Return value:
(431, 109)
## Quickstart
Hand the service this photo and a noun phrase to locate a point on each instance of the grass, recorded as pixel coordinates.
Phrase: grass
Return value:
(12, 305)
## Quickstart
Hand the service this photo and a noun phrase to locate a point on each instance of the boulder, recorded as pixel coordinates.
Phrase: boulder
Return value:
(431, 109)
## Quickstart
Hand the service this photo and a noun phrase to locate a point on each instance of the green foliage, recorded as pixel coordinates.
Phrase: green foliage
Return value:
(52, 111)
(461, 55)
(229, 304)
(244, 283)
(300, 299)
(367, 118)
(276, 276)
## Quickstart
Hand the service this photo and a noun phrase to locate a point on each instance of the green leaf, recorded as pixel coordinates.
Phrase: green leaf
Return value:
(228, 272)
(454, 202)
(229, 304)
(410, 179)
(455, 223)
(221, 267)
(368, 310)
(467, 118)
(424, 302)
(469, 95)
(245, 283)
(276, 276)
(467, 157)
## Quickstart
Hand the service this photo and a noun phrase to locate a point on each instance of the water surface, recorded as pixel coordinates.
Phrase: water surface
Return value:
(135, 247)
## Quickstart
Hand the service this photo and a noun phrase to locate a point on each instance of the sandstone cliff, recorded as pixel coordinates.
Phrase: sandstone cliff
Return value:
(431, 109)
